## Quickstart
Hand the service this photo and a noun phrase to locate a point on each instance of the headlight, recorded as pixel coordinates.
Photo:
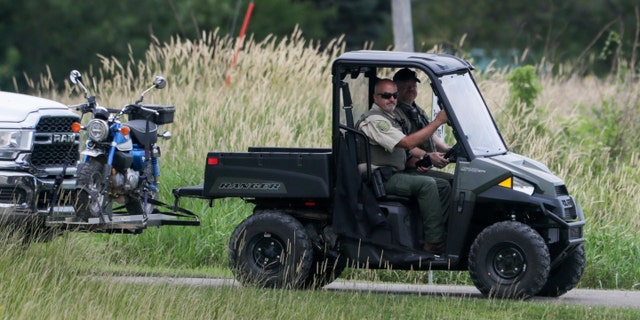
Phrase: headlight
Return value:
(98, 130)
(14, 141)
(518, 184)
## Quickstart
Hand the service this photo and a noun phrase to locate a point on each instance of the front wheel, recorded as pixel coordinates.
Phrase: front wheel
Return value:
(271, 249)
(509, 260)
(565, 276)
(89, 183)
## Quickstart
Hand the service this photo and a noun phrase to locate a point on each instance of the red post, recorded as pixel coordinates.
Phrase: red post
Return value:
(245, 24)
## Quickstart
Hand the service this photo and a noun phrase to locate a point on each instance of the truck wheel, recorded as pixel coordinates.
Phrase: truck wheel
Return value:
(325, 270)
(88, 183)
(509, 260)
(271, 249)
(565, 276)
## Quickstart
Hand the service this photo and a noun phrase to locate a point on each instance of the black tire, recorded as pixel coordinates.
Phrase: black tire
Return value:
(88, 182)
(509, 260)
(565, 276)
(326, 268)
(271, 249)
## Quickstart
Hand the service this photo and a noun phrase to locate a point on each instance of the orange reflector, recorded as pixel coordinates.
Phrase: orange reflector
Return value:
(212, 161)
(125, 130)
(75, 127)
(507, 183)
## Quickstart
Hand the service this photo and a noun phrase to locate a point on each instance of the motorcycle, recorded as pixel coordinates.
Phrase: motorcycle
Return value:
(120, 161)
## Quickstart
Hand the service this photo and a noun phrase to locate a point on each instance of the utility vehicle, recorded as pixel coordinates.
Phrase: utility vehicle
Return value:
(511, 223)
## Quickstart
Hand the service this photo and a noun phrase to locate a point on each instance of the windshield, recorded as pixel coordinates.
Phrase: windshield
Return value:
(476, 124)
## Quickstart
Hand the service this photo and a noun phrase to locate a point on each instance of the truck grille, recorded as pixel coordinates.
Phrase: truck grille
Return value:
(12, 195)
(55, 145)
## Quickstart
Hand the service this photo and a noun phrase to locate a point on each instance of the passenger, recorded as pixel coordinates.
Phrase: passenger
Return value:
(390, 147)
(415, 119)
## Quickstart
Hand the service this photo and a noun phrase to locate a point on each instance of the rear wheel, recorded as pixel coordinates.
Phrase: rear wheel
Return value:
(271, 249)
(91, 199)
(509, 260)
(326, 268)
(565, 276)
(135, 205)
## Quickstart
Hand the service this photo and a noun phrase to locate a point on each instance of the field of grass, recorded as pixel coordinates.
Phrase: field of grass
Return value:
(583, 128)
(61, 280)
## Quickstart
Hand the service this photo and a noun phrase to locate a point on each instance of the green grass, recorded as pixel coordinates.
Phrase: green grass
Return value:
(62, 280)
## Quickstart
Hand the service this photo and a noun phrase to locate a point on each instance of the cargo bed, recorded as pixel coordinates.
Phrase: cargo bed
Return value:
(264, 172)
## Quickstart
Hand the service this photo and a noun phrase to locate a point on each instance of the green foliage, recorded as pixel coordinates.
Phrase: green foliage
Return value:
(524, 88)
(609, 128)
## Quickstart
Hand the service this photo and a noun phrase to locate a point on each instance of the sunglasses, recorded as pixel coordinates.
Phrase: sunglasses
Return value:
(387, 95)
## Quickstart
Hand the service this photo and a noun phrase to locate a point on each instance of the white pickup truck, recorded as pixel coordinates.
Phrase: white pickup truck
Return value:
(38, 155)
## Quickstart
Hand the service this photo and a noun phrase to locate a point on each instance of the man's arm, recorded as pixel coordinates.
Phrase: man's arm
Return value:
(413, 140)
(440, 145)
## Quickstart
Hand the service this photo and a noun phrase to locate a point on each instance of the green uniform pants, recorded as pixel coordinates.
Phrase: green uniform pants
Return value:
(433, 196)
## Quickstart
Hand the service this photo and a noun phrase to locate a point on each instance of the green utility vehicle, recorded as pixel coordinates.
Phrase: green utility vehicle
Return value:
(512, 223)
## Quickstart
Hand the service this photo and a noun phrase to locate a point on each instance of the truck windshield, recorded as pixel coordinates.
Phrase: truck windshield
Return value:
(476, 124)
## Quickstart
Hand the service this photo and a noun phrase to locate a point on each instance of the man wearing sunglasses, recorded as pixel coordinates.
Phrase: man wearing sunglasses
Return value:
(390, 148)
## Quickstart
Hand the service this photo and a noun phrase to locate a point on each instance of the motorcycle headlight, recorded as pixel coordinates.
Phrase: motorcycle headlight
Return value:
(12, 142)
(98, 130)
(518, 184)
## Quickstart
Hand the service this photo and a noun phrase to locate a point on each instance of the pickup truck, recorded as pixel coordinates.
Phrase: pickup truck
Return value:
(38, 155)
(512, 223)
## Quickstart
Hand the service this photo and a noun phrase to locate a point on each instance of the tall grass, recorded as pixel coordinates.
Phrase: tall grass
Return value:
(280, 95)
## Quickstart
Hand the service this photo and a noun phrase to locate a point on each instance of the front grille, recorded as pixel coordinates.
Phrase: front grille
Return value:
(570, 212)
(65, 198)
(575, 233)
(562, 190)
(55, 124)
(54, 144)
(12, 195)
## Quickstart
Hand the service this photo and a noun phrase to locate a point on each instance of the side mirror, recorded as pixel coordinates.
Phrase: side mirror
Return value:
(75, 77)
(159, 82)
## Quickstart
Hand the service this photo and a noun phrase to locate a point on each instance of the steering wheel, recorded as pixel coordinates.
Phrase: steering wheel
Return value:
(452, 153)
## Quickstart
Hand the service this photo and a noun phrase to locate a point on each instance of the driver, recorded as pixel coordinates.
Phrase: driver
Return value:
(416, 118)
(390, 148)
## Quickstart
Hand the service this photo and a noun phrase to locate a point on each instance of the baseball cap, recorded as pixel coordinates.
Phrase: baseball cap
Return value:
(404, 75)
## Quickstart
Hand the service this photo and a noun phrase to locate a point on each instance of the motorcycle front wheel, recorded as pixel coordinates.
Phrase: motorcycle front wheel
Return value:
(89, 185)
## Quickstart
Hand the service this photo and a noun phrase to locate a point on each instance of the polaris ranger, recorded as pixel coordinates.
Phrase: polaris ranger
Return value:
(512, 224)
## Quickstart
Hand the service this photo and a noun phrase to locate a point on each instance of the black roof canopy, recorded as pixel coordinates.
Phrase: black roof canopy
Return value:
(436, 64)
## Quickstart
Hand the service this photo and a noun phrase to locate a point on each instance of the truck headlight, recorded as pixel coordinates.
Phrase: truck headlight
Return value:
(98, 130)
(518, 184)
(12, 142)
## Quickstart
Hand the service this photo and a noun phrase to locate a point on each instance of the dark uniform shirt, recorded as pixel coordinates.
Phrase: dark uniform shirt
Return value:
(416, 119)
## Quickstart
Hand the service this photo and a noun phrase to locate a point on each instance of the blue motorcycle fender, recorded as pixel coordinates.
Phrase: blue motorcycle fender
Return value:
(123, 144)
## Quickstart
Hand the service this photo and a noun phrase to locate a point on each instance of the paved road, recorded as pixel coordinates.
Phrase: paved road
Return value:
(610, 298)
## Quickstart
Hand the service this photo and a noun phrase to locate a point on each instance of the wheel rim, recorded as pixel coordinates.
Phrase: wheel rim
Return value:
(508, 262)
(267, 252)
(95, 197)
